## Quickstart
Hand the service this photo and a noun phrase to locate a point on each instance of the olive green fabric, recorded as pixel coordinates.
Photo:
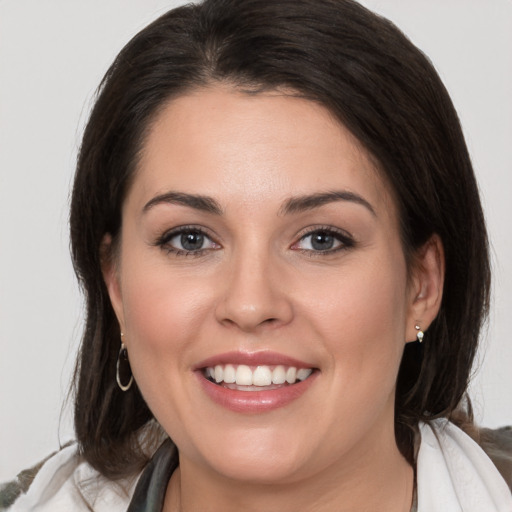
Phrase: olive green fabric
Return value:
(498, 446)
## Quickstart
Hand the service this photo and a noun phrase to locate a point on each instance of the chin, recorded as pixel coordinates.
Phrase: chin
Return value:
(255, 455)
(254, 470)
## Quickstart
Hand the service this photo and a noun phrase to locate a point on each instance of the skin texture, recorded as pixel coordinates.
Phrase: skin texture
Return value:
(258, 285)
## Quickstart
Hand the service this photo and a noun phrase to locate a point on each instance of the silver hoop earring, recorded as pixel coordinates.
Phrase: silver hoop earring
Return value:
(122, 360)
(420, 334)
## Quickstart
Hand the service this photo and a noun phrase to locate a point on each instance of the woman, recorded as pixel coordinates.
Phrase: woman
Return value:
(279, 235)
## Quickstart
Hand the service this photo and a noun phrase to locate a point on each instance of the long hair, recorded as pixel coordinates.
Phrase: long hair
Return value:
(378, 85)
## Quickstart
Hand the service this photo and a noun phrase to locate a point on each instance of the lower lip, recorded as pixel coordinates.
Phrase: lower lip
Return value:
(255, 401)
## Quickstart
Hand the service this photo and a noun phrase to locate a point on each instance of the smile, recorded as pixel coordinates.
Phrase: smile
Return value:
(254, 383)
(247, 378)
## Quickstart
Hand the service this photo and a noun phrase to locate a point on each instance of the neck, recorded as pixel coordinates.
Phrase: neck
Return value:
(374, 478)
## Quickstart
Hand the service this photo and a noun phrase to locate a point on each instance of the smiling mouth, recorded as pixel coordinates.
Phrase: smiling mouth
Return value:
(255, 378)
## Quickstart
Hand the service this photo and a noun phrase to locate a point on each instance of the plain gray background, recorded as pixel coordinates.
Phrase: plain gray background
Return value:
(53, 54)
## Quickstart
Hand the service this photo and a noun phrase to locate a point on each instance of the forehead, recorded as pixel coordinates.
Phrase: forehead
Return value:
(253, 148)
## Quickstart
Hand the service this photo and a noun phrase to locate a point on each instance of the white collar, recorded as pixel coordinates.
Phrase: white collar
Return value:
(455, 475)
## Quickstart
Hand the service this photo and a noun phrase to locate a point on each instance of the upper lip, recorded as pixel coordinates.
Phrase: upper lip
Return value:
(260, 358)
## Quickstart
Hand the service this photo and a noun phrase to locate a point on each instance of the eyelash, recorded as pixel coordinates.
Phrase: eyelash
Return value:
(164, 241)
(344, 239)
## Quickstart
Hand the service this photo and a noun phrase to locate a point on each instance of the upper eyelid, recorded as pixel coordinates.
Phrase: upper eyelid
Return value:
(170, 233)
(167, 235)
(330, 229)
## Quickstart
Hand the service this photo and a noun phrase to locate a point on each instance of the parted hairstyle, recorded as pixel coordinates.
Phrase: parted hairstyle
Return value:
(378, 85)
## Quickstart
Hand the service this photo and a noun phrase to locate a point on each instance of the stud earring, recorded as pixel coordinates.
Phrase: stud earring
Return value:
(419, 334)
(123, 366)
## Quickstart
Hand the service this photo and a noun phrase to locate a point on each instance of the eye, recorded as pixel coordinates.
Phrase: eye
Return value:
(187, 241)
(324, 240)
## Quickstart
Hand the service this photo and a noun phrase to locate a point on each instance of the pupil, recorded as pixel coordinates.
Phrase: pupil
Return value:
(322, 241)
(192, 241)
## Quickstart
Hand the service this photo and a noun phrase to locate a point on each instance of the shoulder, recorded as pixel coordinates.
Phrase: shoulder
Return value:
(455, 472)
(495, 445)
(65, 481)
(11, 491)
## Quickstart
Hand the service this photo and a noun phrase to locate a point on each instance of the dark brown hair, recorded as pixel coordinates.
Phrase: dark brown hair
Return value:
(379, 85)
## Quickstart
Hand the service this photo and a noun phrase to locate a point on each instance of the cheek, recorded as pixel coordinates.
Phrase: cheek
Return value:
(160, 301)
(361, 317)
(164, 317)
(365, 298)
(164, 311)
(160, 309)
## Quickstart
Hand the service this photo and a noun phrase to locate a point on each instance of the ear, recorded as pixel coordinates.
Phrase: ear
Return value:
(110, 271)
(426, 286)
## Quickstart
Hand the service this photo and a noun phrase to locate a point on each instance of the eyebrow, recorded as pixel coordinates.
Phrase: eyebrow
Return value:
(292, 205)
(312, 201)
(198, 202)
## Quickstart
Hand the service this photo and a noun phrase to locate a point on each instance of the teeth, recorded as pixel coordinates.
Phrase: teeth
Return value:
(291, 375)
(279, 375)
(219, 373)
(229, 374)
(303, 373)
(262, 376)
(243, 375)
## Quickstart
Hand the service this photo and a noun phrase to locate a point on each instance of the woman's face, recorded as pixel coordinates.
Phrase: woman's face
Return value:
(260, 247)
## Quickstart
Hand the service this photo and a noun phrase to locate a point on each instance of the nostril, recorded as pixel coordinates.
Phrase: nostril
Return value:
(250, 325)
(253, 304)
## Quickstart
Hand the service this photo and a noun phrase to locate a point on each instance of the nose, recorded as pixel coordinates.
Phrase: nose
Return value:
(254, 296)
